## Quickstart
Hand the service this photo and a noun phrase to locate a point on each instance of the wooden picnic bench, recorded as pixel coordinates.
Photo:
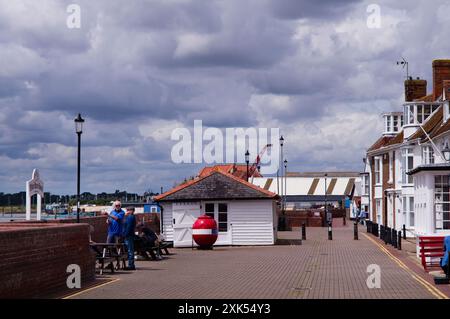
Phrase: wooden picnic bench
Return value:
(431, 251)
(107, 254)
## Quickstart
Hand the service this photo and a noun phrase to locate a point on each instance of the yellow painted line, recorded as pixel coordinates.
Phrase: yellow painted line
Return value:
(432, 289)
(92, 288)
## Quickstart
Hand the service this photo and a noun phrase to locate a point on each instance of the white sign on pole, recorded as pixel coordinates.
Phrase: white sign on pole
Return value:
(35, 186)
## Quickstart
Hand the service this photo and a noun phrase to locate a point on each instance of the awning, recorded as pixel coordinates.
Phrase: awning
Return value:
(430, 168)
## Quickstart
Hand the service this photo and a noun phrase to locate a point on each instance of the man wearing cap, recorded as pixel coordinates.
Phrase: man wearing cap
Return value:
(128, 234)
(115, 221)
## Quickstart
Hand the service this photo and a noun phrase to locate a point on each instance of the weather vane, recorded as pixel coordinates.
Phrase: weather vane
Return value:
(404, 63)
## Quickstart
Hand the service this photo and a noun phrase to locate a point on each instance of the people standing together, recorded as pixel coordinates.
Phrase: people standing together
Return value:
(122, 225)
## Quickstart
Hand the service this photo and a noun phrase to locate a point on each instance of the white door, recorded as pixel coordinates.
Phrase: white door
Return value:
(220, 212)
(184, 216)
(390, 212)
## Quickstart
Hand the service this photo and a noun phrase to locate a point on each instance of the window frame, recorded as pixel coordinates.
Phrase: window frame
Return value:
(377, 170)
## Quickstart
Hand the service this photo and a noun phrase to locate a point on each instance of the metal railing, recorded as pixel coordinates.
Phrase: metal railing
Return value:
(386, 234)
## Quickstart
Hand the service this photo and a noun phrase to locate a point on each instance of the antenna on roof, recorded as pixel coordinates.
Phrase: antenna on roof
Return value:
(405, 63)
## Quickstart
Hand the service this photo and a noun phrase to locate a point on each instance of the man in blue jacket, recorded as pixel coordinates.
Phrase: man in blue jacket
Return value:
(128, 234)
(115, 221)
(444, 261)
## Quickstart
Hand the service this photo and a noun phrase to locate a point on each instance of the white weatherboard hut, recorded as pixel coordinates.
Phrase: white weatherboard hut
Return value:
(245, 214)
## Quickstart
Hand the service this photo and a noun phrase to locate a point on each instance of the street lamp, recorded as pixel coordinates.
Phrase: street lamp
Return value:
(281, 173)
(285, 182)
(247, 160)
(328, 215)
(79, 130)
(446, 152)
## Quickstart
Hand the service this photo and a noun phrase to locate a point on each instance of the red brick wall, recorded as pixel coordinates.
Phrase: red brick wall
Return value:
(34, 258)
(372, 190)
(415, 89)
(298, 217)
(99, 223)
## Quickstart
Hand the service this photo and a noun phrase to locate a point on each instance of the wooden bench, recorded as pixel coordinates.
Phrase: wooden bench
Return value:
(431, 251)
(107, 254)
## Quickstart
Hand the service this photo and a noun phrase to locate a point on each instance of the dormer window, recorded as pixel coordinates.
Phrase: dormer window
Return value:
(418, 113)
(393, 123)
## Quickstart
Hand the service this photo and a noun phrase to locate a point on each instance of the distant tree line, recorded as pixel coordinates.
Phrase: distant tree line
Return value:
(19, 199)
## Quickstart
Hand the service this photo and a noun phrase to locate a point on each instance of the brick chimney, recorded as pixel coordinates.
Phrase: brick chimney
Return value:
(415, 89)
(441, 72)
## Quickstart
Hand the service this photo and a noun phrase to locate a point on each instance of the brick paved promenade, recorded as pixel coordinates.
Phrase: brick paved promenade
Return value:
(317, 269)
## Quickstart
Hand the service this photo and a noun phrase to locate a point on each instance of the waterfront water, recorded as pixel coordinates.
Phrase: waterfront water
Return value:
(7, 217)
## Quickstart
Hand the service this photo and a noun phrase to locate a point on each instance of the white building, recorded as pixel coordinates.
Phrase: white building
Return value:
(245, 214)
(407, 172)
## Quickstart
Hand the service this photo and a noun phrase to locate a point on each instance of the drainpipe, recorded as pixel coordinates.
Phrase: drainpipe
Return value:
(161, 223)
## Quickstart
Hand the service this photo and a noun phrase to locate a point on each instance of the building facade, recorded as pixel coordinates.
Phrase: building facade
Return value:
(406, 170)
(245, 214)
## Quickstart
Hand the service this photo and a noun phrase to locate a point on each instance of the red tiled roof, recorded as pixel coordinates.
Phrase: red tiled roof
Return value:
(442, 129)
(427, 98)
(238, 170)
(397, 139)
(218, 171)
(433, 122)
(381, 142)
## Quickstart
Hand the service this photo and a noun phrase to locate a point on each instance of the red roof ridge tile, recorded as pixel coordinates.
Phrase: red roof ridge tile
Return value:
(198, 179)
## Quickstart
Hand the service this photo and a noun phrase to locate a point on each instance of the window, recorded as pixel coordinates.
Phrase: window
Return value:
(407, 165)
(427, 155)
(365, 181)
(409, 114)
(442, 202)
(388, 123)
(209, 209)
(378, 210)
(396, 129)
(420, 117)
(223, 217)
(154, 209)
(411, 211)
(377, 170)
(391, 167)
(220, 213)
(417, 114)
(408, 209)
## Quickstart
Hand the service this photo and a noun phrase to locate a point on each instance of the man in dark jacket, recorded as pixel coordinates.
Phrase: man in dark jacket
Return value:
(128, 234)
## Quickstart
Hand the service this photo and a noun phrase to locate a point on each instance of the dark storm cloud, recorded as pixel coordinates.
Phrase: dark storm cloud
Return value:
(323, 9)
(137, 70)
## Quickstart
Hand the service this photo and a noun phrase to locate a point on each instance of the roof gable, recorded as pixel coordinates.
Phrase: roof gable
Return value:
(216, 185)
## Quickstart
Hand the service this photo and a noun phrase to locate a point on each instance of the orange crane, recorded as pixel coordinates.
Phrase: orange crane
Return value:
(257, 161)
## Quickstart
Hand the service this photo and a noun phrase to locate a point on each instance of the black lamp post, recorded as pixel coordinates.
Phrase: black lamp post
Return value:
(281, 161)
(247, 160)
(328, 215)
(79, 130)
(285, 182)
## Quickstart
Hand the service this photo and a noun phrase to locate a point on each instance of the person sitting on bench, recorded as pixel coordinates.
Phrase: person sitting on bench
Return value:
(149, 238)
(444, 261)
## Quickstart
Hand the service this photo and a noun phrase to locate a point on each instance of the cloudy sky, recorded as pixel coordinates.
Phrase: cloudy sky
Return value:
(136, 70)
